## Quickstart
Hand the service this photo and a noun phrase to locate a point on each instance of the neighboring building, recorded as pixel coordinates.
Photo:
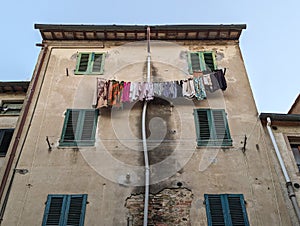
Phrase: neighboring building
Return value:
(12, 95)
(82, 159)
(285, 128)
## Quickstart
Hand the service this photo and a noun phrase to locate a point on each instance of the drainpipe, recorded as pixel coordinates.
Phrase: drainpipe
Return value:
(18, 136)
(288, 181)
(146, 159)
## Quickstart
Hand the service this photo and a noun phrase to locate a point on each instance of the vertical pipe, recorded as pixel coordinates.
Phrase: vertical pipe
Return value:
(288, 181)
(146, 159)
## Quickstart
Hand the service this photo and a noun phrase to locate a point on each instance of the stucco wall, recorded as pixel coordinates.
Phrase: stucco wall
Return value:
(100, 171)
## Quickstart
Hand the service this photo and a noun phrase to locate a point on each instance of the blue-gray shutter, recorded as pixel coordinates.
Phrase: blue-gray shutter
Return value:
(226, 210)
(54, 212)
(237, 210)
(76, 210)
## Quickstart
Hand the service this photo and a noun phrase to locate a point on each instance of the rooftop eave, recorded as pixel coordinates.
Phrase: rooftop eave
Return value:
(281, 119)
(139, 32)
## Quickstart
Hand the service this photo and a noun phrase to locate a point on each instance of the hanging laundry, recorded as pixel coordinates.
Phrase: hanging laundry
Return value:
(134, 91)
(188, 89)
(179, 88)
(200, 93)
(102, 86)
(126, 92)
(207, 82)
(220, 77)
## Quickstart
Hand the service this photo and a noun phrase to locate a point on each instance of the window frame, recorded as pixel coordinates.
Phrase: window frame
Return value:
(11, 102)
(225, 207)
(79, 128)
(202, 62)
(66, 201)
(213, 140)
(89, 70)
(2, 135)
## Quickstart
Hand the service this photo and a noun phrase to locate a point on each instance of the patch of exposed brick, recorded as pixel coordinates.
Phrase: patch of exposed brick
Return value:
(166, 208)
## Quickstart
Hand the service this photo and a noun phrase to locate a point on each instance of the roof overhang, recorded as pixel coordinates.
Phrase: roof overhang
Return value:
(14, 87)
(139, 32)
(281, 119)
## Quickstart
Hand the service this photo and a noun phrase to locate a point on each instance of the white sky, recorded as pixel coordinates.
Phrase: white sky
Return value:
(270, 44)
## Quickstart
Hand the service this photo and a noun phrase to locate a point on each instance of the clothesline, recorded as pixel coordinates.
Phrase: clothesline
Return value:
(114, 93)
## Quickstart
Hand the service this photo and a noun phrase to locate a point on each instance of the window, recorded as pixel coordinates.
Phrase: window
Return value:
(202, 61)
(11, 107)
(212, 127)
(90, 63)
(79, 127)
(226, 210)
(64, 210)
(295, 146)
(5, 138)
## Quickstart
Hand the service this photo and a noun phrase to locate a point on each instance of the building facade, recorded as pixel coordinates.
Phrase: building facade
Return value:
(283, 135)
(12, 95)
(79, 157)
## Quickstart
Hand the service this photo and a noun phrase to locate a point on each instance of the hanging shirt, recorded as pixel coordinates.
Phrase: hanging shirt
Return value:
(101, 93)
(199, 88)
(126, 92)
(188, 89)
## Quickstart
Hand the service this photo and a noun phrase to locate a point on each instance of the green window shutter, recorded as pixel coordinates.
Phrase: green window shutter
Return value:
(226, 210)
(90, 63)
(70, 128)
(64, 210)
(195, 62)
(201, 61)
(5, 138)
(209, 61)
(97, 63)
(212, 127)
(75, 210)
(221, 129)
(79, 127)
(203, 127)
(88, 125)
(82, 63)
(54, 212)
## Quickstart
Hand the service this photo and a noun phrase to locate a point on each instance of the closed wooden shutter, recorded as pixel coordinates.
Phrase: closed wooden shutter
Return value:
(212, 127)
(83, 62)
(209, 61)
(226, 210)
(215, 208)
(79, 127)
(195, 62)
(88, 125)
(76, 210)
(54, 210)
(71, 126)
(64, 210)
(236, 211)
(97, 63)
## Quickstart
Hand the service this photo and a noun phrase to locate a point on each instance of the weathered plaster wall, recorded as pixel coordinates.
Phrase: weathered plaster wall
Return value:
(101, 171)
